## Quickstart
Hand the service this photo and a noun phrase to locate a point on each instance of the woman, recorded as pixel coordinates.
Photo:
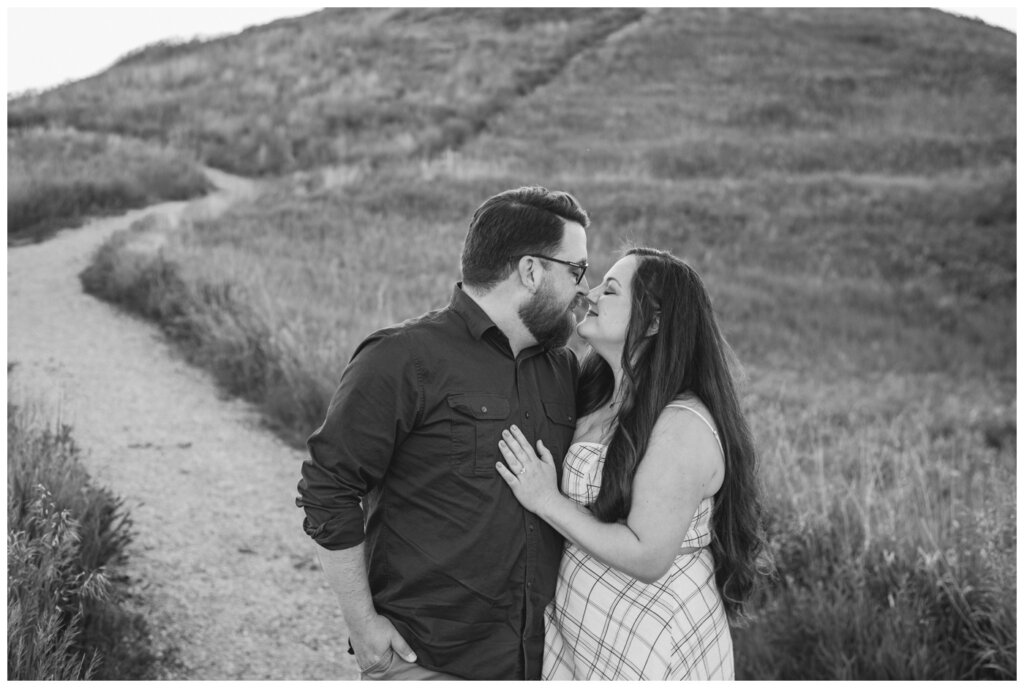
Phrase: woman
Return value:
(660, 508)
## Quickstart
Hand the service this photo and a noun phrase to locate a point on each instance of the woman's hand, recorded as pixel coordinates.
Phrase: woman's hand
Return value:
(531, 474)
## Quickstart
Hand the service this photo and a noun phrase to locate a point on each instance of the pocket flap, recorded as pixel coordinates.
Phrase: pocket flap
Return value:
(562, 414)
(480, 406)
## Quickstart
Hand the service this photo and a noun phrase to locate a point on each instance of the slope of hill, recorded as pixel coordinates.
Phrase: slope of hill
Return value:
(335, 86)
(844, 179)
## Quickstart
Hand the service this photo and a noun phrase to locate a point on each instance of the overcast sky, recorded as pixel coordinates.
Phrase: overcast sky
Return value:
(49, 45)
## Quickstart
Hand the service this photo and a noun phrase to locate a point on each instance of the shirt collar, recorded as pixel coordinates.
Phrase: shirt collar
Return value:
(476, 320)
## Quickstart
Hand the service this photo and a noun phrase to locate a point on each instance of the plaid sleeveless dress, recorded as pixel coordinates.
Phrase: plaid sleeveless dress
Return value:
(606, 625)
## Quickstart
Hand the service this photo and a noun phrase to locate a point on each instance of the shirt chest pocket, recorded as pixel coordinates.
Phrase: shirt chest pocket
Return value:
(561, 425)
(476, 423)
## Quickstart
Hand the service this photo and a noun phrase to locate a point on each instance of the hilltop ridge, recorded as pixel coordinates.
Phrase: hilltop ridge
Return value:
(336, 86)
(372, 85)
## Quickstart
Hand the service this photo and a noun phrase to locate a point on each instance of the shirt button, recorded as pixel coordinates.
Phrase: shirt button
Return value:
(484, 409)
(527, 414)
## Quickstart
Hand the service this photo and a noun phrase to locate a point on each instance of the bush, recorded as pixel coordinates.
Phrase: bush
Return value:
(57, 177)
(216, 328)
(65, 534)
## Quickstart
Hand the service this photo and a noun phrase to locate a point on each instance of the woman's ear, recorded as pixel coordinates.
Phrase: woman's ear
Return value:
(655, 325)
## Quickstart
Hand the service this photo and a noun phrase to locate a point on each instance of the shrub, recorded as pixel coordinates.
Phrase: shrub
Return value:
(217, 328)
(57, 177)
(65, 535)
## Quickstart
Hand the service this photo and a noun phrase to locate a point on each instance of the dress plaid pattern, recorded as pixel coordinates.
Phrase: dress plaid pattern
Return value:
(606, 625)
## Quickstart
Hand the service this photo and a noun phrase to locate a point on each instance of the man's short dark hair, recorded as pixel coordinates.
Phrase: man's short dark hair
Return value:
(514, 223)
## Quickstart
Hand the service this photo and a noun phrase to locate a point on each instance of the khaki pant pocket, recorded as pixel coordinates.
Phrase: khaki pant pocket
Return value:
(381, 666)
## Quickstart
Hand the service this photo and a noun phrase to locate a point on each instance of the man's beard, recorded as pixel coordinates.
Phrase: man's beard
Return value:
(550, 323)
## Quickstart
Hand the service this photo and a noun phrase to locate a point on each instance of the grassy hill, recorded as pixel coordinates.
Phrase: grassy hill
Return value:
(844, 179)
(340, 85)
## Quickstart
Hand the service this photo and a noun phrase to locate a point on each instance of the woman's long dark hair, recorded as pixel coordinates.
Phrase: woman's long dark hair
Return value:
(687, 354)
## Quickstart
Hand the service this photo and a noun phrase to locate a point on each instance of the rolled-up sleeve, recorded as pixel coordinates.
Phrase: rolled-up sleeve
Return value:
(372, 411)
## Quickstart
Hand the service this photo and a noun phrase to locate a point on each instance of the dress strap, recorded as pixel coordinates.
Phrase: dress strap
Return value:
(711, 426)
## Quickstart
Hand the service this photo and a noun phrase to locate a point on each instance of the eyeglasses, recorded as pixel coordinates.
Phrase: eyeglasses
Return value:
(582, 267)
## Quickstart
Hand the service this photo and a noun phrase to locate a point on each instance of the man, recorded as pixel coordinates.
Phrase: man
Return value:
(441, 574)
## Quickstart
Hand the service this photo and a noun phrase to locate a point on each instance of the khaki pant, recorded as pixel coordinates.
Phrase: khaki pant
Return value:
(391, 667)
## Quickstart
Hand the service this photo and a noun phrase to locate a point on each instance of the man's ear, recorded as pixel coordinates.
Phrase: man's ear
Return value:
(529, 273)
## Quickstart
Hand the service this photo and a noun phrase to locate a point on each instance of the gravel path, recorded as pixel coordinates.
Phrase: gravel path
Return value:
(219, 567)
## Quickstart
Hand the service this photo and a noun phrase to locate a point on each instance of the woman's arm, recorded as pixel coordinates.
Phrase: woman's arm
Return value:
(682, 466)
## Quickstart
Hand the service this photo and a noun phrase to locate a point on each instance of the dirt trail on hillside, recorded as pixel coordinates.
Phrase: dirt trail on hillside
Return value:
(219, 567)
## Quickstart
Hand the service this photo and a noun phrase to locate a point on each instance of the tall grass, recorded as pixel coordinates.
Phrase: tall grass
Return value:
(55, 177)
(66, 538)
(219, 326)
(894, 534)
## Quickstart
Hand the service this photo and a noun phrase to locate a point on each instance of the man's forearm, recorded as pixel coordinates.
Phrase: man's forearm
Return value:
(371, 635)
(345, 570)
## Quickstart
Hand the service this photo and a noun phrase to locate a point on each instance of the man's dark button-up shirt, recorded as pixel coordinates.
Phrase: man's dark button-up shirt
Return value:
(459, 567)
